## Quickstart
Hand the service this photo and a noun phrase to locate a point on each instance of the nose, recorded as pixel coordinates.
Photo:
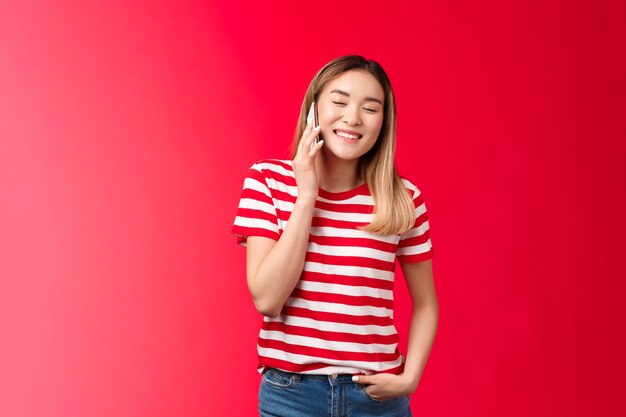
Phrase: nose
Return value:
(351, 115)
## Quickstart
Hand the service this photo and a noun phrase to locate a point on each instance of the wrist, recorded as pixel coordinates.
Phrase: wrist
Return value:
(306, 199)
(409, 381)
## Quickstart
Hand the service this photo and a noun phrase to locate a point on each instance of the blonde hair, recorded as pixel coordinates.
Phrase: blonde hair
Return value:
(394, 211)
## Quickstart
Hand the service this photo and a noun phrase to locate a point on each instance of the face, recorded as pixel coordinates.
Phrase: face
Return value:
(351, 113)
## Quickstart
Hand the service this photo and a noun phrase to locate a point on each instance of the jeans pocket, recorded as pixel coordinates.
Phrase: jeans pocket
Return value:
(369, 397)
(278, 379)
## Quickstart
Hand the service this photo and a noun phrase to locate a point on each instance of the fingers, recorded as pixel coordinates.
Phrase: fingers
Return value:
(309, 138)
(307, 145)
(369, 383)
(315, 148)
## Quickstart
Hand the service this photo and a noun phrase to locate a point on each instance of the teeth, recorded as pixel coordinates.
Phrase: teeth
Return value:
(347, 135)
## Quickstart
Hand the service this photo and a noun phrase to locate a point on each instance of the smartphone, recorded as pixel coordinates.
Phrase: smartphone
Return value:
(312, 117)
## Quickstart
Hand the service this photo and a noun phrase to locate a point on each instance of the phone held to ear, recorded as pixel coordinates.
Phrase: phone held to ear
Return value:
(312, 117)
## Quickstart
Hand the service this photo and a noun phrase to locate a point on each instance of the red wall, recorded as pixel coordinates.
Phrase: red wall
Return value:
(126, 129)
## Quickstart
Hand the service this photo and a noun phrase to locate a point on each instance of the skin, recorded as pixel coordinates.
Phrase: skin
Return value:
(422, 330)
(352, 104)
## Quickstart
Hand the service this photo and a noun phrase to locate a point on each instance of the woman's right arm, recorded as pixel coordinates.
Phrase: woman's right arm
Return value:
(273, 268)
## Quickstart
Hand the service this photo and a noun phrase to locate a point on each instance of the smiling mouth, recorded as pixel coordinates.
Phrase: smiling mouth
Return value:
(346, 135)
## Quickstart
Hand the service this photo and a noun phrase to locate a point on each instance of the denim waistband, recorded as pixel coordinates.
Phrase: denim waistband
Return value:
(312, 377)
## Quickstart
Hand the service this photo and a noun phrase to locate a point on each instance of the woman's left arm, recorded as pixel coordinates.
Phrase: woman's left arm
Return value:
(422, 330)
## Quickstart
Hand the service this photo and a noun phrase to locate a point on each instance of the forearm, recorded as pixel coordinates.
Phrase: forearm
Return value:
(276, 277)
(422, 331)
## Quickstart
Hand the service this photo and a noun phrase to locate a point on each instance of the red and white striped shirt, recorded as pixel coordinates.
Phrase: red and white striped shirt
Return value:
(339, 318)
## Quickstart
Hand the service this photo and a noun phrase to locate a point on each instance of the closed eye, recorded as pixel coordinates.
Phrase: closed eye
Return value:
(339, 103)
(370, 110)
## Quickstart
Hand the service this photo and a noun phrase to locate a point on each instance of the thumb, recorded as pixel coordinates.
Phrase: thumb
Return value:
(362, 379)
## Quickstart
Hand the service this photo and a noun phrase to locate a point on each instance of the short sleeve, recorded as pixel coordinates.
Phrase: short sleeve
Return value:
(256, 214)
(415, 244)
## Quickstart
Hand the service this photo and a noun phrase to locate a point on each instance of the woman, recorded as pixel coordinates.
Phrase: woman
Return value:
(323, 232)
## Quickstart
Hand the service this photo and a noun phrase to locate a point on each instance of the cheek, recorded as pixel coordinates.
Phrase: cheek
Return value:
(327, 115)
(376, 126)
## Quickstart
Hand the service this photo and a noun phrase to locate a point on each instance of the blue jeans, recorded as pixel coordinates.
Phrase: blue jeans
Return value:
(283, 394)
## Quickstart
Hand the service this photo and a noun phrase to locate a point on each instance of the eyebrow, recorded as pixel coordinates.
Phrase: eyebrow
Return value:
(343, 93)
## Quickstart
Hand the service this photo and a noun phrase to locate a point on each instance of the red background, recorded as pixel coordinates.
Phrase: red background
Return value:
(126, 129)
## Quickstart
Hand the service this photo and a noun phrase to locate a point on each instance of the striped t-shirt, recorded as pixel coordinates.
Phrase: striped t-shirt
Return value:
(339, 318)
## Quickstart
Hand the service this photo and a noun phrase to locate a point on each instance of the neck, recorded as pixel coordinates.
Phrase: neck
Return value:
(337, 175)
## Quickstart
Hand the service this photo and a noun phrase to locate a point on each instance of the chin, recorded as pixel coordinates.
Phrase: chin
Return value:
(343, 155)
